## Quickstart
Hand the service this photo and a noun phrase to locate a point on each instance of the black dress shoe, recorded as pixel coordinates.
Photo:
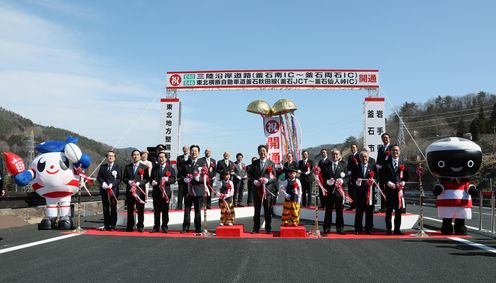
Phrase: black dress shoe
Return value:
(398, 233)
(269, 232)
(140, 230)
(240, 205)
(340, 232)
(389, 232)
(165, 230)
(154, 230)
(129, 230)
(357, 233)
(368, 232)
(255, 232)
(112, 228)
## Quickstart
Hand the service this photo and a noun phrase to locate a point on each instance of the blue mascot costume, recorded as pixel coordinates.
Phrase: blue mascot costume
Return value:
(55, 175)
(454, 161)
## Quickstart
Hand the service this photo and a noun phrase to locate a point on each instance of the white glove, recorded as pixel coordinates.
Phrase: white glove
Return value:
(104, 185)
(307, 173)
(256, 183)
(239, 178)
(197, 178)
(358, 182)
(330, 182)
(287, 196)
(402, 183)
(378, 166)
(130, 182)
(391, 185)
(165, 179)
(265, 181)
(154, 183)
(187, 180)
(299, 171)
(110, 186)
(339, 181)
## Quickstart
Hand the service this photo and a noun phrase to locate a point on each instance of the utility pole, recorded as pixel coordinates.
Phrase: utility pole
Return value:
(401, 133)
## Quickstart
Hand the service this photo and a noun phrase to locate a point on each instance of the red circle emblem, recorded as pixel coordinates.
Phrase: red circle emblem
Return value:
(272, 126)
(175, 80)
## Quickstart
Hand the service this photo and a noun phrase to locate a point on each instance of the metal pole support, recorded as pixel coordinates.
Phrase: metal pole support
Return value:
(481, 196)
(493, 200)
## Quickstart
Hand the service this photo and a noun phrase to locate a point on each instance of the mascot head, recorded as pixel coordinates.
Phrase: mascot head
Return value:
(454, 157)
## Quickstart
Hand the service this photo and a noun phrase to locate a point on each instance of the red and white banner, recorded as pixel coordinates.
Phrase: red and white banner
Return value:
(272, 129)
(170, 122)
(273, 79)
(375, 123)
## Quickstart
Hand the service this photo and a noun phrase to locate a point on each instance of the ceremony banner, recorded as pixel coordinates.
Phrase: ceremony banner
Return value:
(272, 129)
(273, 79)
(375, 123)
(170, 121)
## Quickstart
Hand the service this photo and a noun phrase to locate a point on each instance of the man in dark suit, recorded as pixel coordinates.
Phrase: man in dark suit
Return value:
(181, 173)
(240, 179)
(307, 178)
(109, 177)
(353, 160)
(324, 165)
(290, 163)
(334, 199)
(262, 171)
(250, 182)
(195, 190)
(208, 161)
(135, 177)
(383, 156)
(395, 175)
(225, 165)
(363, 175)
(162, 177)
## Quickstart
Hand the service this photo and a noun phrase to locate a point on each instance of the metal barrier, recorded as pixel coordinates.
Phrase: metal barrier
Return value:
(481, 202)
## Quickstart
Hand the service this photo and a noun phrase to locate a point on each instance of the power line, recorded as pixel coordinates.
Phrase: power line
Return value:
(448, 117)
(449, 112)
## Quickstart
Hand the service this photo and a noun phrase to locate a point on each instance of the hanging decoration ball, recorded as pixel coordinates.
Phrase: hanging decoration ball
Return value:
(283, 106)
(259, 107)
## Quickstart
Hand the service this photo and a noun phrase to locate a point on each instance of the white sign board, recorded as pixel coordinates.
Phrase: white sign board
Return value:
(375, 123)
(272, 129)
(170, 122)
(273, 79)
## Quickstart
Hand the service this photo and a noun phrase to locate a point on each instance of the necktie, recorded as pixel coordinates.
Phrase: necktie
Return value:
(334, 168)
(110, 167)
(364, 170)
(395, 164)
(134, 169)
(161, 170)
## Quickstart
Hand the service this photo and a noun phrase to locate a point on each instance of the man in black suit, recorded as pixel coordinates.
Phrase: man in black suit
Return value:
(208, 161)
(109, 177)
(395, 175)
(363, 175)
(162, 177)
(307, 178)
(262, 171)
(181, 173)
(250, 182)
(324, 165)
(135, 177)
(334, 199)
(290, 163)
(239, 180)
(225, 165)
(383, 156)
(195, 189)
(353, 160)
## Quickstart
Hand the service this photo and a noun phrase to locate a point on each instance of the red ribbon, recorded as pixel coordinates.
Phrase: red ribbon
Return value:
(134, 194)
(111, 196)
(320, 180)
(343, 193)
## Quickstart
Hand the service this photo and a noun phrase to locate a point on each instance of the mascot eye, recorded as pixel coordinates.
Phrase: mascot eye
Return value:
(470, 163)
(440, 164)
(41, 165)
(64, 163)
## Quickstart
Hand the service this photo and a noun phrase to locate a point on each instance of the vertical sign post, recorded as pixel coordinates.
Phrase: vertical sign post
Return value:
(170, 122)
(374, 123)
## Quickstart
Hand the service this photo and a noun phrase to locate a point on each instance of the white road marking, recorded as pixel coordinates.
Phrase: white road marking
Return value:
(15, 248)
(440, 221)
(477, 245)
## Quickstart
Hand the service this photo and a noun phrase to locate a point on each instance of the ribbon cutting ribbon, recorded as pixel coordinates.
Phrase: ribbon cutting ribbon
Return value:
(164, 193)
(134, 194)
(110, 194)
(83, 178)
(320, 182)
(343, 193)
(369, 189)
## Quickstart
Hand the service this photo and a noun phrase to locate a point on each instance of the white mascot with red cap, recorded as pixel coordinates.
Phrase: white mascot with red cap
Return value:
(55, 175)
(454, 161)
